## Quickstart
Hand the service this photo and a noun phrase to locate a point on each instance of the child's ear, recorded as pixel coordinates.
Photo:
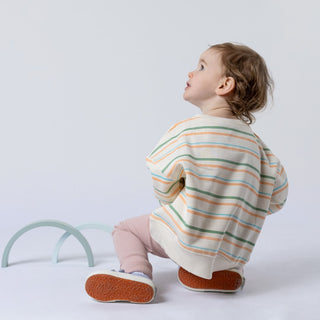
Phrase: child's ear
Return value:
(226, 86)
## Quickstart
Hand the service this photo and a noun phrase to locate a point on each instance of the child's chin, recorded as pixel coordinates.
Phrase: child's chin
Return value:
(188, 99)
(185, 96)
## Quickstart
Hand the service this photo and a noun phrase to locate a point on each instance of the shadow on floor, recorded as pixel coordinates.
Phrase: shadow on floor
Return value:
(282, 273)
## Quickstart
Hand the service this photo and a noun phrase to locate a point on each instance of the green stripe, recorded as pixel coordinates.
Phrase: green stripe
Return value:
(208, 231)
(226, 197)
(267, 177)
(240, 239)
(197, 128)
(212, 159)
(168, 189)
(171, 186)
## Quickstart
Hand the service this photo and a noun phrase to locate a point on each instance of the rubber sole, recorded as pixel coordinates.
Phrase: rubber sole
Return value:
(221, 281)
(114, 286)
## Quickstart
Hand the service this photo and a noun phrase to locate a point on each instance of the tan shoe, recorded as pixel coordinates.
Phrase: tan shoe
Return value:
(221, 281)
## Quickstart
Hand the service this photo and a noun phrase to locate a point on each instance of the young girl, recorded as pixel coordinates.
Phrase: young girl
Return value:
(216, 182)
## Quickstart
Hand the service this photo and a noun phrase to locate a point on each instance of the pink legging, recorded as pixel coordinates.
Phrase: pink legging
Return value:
(133, 242)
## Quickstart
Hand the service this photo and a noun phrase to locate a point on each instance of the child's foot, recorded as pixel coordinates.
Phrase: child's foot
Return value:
(221, 281)
(112, 286)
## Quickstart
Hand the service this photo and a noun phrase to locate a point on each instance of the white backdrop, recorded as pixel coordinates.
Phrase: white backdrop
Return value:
(88, 87)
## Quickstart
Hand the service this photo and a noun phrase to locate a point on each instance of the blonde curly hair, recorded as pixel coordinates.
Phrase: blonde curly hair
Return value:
(253, 83)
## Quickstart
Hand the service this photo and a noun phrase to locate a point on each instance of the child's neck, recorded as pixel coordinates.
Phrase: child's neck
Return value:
(219, 111)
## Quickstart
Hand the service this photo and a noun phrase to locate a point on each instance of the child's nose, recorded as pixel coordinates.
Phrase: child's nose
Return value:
(190, 75)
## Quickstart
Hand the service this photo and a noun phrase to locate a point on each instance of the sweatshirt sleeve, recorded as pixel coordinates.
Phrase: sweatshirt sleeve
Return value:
(280, 190)
(166, 168)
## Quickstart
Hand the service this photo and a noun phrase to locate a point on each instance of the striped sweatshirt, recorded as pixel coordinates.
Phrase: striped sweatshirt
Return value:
(216, 182)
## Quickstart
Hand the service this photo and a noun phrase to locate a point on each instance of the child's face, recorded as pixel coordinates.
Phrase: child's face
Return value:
(205, 80)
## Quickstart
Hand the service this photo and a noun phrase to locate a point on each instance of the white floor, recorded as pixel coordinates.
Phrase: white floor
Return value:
(283, 280)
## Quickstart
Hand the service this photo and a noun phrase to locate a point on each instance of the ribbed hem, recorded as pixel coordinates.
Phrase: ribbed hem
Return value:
(197, 264)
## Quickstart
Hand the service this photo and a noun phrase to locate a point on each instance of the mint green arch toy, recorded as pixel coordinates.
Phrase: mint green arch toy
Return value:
(48, 223)
(66, 235)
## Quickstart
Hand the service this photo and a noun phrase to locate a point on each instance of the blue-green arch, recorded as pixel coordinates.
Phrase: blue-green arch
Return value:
(66, 235)
(48, 223)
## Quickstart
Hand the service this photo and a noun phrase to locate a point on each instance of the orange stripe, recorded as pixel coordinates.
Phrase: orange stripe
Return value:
(218, 147)
(269, 153)
(212, 166)
(202, 133)
(224, 204)
(221, 218)
(229, 184)
(206, 146)
(230, 258)
(183, 121)
(162, 181)
(207, 216)
(186, 232)
(148, 160)
(169, 196)
(207, 238)
(280, 190)
(181, 244)
(183, 198)
(236, 245)
(268, 164)
(167, 182)
(217, 166)
(192, 249)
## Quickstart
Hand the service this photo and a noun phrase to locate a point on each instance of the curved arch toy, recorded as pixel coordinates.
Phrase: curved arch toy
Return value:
(66, 235)
(48, 223)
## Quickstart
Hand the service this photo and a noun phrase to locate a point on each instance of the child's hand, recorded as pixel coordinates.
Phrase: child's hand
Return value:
(182, 183)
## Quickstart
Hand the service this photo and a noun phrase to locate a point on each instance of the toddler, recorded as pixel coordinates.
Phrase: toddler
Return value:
(215, 179)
